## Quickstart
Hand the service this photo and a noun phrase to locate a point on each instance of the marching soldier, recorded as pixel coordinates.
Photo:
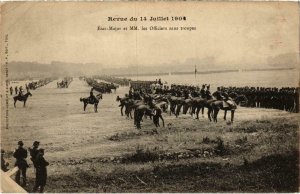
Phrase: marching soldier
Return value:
(21, 154)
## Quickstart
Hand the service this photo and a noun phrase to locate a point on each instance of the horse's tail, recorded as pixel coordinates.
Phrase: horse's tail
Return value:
(81, 99)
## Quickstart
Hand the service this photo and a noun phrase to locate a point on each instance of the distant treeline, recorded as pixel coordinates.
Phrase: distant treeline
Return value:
(203, 72)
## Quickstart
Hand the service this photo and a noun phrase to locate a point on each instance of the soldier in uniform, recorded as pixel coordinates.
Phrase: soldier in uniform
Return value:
(20, 91)
(11, 90)
(21, 154)
(207, 92)
(16, 90)
(92, 97)
(226, 98)
(202, 91)
(4, 164)
(34, 151)
(194, 93)
(41, 171)
(218, 94)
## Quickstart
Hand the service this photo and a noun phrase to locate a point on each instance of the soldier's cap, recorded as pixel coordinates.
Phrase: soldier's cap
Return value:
(36, 143)
(20, 143)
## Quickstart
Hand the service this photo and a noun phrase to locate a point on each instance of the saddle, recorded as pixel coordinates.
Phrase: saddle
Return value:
(91, 100)
(228, 103)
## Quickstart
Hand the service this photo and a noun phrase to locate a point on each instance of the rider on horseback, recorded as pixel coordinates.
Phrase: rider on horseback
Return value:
(218, 94)
(21, 91)
(202, 91)
(92, 97)
(226, 98)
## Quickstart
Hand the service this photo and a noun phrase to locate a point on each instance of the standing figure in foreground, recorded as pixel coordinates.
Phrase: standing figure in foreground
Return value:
(34, 152)
(4, 164)
(21, 154)
(41, 171)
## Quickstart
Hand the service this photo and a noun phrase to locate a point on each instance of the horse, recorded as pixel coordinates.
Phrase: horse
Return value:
(201, 103)
(123, 102)
(88, 100)
(175, 104)
(132, 104)
(22, 98)
(142, 110)
(219, 105)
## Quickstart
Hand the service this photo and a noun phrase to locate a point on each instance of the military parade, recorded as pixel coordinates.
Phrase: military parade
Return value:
(144, 100)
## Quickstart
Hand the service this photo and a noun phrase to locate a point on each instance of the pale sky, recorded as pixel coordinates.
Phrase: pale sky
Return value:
(228, 33)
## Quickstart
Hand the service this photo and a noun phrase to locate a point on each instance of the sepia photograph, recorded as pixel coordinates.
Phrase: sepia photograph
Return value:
(150, 97)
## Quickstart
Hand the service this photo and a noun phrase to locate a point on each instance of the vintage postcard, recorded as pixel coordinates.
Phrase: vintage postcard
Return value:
(149, 97)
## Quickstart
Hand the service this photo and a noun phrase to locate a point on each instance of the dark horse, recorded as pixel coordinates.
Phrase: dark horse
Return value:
(142, 110)
(22, 98)
(217, 105)
(123, 102)
(88, 100)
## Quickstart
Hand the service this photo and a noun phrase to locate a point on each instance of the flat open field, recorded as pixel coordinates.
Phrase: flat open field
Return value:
(103, 152)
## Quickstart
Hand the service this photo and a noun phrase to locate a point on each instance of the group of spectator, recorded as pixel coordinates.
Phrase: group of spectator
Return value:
(39, 163)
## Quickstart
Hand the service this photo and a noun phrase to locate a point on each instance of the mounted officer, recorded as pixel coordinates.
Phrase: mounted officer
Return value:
(202, 91)
(20, 91)
(207, 92)
(92, 97)
(218, 94)
(21, 154)
(227, 100)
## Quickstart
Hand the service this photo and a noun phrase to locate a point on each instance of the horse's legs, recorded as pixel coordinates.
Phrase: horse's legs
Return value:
(138, 121)
(15, 103)
(172, 109)
(197, 112)
(203, 111)
(178, 110)
(122, 110)
(232, 115)
(192, 110)
(160, 116)
(208, 114)
(96, 107)
(130, 114)
(84, 106)
(225, 113)
(24, 103)
(156, 121)
(216, 111)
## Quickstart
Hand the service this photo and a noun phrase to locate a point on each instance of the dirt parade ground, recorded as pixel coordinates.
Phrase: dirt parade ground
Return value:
(104, 152)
